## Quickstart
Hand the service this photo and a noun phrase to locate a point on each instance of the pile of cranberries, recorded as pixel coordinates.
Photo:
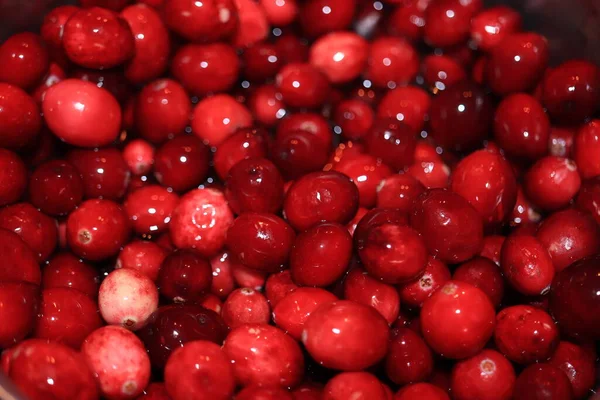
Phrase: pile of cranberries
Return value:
(297, 200)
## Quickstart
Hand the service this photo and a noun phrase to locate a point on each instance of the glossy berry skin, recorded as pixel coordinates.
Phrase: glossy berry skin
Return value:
(587, 148)
(144, 256)
(578, 363)
(13, 175)
(43, 370)
(448, 22)
(264, 355)
(589, 197)
(199, 369)
(118, 360)
(452, 229)
(392, 142)
(322, 16)
(245, 306)
(216, 118)
(342, 56)
(310, 122)
(172, 326)
(20, 117)
(23, 59)
(181, 163)
(150, 208)
(574, 299)
(139, 156)
(320, 255)
(302, 85)
(399, 191)
(421, 391)
(65, 270)
(541, 382)
(19, 304)
(413, 294)
(552, 182)
(457, 320)
(278, 286)
(19, 262)
(357, 384)
(408, 104)
(244, 143)
(517, 63)
(66, 316)
(298, 153)
(98, 38)
(97, 229)
(253, 26)
(364, 289)
(200, 222)
(260, 241)
(56, 188)
(491, 26)
(184, 276)
(484, 274)
(155, 391)
(104, 172)
(526, 264)
(82, 114)
(261, 61)
(346, 336)
(266, 105)
(488, 183)
(441, 72)
(485, 376)
(460, 117)
(210, 21)
(409, 359)
(392, 62)
(354, 117)
(255, 392)
(367, 172)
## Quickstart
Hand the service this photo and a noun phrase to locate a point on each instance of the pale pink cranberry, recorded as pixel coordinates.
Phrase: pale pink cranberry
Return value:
(199, 370)
(127, 298)
(222, 275)
(23, 60)
(205, 21)
(252, 23)
(119, 361)
(66, 270)
(245, 306)
(484, 274)
(150, 209)
(302, 85)
(20, 305)
(364, 289)
(342, 56)
(200, 221)
(216, 118)
(19, 117)
(552, 182)
(264, 355)
(409, 105)
(414, 294)
(354, 384)
(13, 176)
(143, 256)
(280, 12)
(491, 26)
(392, 62)
(248, 277)
(139, 156)
(278, 286)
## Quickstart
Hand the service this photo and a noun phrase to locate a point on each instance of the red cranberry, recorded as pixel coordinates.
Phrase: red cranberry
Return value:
(354, 384)
(280, 13)
(524, 212)
(570, 91)
(414, 294)
(542, 382)
(322, 16)
(146, 257)
(67, 271)
(588, 198)
(139, 156)
(408, 20)
(561, 142)
(245, 306)
(408, 104)
(408, 359)
(207, 21)
(431, 174)
(491, 26)
(19, 117)
(291, 49)
(261, 61)
(13, 177)
(264, 355)
(19, 305)
(306, 121)
(260, 241)
(19, 263)
(421, 391)
(346, 335)
(199, 369)
(392, 62)
(308, 391)
(248, 277)
(441, 72)
(200, 221)
(278, 286)
(361, 288)
(245, 143)
(587, 149)
(56, 188)
(44, 370)
(398, 191)
(392, 142)
(578, 364)
(526, 264)
(299, 153)
(302, 85)
(340, 55)
(184, 276)
(252, 26)
(491, 248)
(52, 30)
(155, 391)
(517, 63)
(266, 104)
(23, 60)
(484, 274)
(460, 117)
(552, 182)
(448, 21)
(162, 110)
(216, 118)
(150, 208)
(354, 117)
(367, 172)
(488, 375)
(457, 320)
(182, 163)
(222, 274)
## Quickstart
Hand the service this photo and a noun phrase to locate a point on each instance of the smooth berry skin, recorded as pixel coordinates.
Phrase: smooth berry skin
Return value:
(451, 228)
(19, 117)
(65, 270)
(155, 391)
(413, 294)
(310, 122)
(278, 286)
(526, 265)
(318, 17)
(524, 213)
(574, 299)
(408, 21)
(41, 370)
(19, 262)
(588, 198)
(199, 369)
(491, 26)
(488, 183)
(200, 222)
(298, 153)
(264, 355)
(441, 72)
(97, 229)
(362, 288)
(255, 392)
(552, 182)
(571, 91)
(392, 142)
(587, 149)
(346, 336)
(66, 316)
(150, 209)
(424, 391)
(243, 144)
(98, 38)
(399, 191)
(486, 376)
(119, 361)
(19, 304)
(460, 117)
(280, 13)
(261, 61)
(355, 117)
(51, 31)
(578, 363)
(24, 60)
(36, 229)
(409, 359)
(127, 298)
(492, 246)
(266, 105)
(366, 172)
(104, 172)
(448, 22)
(248, 277)
(542, 382)
(341, 56)
(13, 175)
(253, 26)
(210, 21)
(245, 306)
(216, 118)
(56, 187)
(302, 85)
(171, 327)
(162, 110)
(144, 256)
(457, 320)
(184, 276)
(320, 255)
(517, 63)
(139, 156)
(484, 274)
(181, 163)
(222, 274)
(392, 62)
(357, 384)
(561, 142)
(152, 44)
(82, 114)
(409, 104)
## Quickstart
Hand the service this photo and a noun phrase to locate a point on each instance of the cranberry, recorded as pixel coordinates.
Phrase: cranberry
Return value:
(155, 391)
(13, 176)
(340, 55)
(19, 117)
(408, 104)
(67, 271)
(354, 117)
(517, 63)
(23, 60)
(207, 21)
(291, 49)
(182, 163)
(457, 320)
(52, 30)
(264, 355)
(139, 156)
(460, 117)
(216, 118)
(391, 142)
(143, 256)
(541, 382)
(524, 212)
(448, 21)
(441, 72)
(421, 391)
(588, 198)
(367, 172)
(255, 392)
(318, 17)
(200, 221)
(253, 26)
(578, 364)
(408, 20)
(408, 359)
(587, 149)
(492, 246)
(361, 288)
(526, 264)
(302, 85)
(488, 375)
(358, 384)
(43, 370)
(552, 182)
(261, 61)
(245, 143)
(248, 277)
(398, 191)
(162, 110)
(19, 305)
(199, 369)
(491, 26)
(392, 62)
(266, 104)
(260, 241)
(222, 275)
(150, 208)
(561, 142)
(306, 121)
(245, 306)
(184, 276)
(413, 294)
(56, 188)
(119, 361)
(278, 286)
(346, 335)
(571, 91)
(484, 274)
(19, 263)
